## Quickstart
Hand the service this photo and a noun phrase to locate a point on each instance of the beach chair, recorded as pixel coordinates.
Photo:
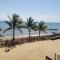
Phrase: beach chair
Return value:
(48, 58)
(57, 57)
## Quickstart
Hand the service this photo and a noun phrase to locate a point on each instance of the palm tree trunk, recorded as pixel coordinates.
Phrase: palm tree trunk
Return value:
(13, 41)
(14, 34)
(39, 33)
(29, 33)
(13, 31)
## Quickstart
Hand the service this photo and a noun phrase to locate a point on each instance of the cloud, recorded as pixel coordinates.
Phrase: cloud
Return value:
(48, 17)
(3, 17)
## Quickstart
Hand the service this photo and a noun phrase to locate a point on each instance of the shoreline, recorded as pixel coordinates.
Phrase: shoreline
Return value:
(34, 36)
(20, 36)
(42, 34)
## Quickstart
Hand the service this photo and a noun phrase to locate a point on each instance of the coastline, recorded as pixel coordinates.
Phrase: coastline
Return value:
(22, 36)
(42, 34)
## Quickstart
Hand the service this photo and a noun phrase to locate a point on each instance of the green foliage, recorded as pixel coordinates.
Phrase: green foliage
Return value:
(41, 26)
(30, 24)
(15, 22)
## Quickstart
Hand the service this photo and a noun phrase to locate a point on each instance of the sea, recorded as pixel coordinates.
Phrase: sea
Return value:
(53, 26)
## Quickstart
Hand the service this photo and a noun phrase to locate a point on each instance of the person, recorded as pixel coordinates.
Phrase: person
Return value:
(7, 49)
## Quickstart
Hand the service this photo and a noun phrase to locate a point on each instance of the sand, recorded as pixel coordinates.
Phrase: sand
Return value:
(32, 51)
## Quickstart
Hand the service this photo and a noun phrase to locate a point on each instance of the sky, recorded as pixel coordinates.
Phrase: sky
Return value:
(46, 10)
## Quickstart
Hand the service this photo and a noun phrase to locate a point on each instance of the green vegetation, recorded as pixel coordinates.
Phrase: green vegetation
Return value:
(16, 22)
(41, 27)
(30, 24)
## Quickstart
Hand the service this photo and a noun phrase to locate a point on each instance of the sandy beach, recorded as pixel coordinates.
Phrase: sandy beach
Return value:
(32, 51)
(29, 29)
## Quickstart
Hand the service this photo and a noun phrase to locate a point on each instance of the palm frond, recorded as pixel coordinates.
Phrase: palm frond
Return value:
(20, 30)
(15, 15)
(41, 26)
(7, 29)
(10, 19)
(29, 21)
(19, 23)
(10, 24)
(22, 26)
(45, 27)
(15, 18)
(34, 25)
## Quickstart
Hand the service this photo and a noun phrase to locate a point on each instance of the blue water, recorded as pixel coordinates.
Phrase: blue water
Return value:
(3, 25)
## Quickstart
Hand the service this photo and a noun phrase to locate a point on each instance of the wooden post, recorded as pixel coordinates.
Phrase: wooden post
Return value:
(55, 56)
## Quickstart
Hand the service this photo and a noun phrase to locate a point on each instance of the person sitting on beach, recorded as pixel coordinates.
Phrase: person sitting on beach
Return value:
(7, 49)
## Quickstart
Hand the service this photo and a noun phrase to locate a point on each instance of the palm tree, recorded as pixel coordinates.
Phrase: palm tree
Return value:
(30, 24)
(14, 22)
(41, 26)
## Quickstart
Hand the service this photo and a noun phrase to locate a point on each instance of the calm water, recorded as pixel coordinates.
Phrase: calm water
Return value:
(25, 31)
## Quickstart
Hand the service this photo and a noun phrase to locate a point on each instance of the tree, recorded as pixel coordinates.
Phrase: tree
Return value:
(30, 24)
(14, 22)
(41, 26)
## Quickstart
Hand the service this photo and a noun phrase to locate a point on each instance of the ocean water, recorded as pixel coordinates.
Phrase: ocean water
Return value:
(3, 25)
